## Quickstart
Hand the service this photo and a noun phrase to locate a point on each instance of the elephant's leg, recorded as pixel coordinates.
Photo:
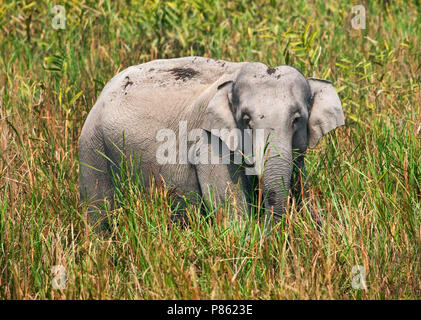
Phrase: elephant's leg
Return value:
(219, 187)
(222, 184)
(95, 185)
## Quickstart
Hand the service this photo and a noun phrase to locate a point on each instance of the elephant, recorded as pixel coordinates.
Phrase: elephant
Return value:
(210, 98)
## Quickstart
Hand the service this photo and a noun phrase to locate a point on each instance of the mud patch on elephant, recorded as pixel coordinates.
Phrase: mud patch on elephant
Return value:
(127, 82)
(222, 63)
(183, 73)
(270, 70)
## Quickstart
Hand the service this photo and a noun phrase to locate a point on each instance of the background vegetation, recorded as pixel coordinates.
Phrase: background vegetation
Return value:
(365, 177)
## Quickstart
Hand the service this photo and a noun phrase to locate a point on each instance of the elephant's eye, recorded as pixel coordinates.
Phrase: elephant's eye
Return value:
(296, 121)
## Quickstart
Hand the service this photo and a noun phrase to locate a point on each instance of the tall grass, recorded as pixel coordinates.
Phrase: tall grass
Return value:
(365, 177)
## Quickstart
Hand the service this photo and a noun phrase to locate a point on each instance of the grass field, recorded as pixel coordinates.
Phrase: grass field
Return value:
(365, 177)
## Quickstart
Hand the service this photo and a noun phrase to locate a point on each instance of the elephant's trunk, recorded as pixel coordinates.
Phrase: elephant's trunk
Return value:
(276, 181)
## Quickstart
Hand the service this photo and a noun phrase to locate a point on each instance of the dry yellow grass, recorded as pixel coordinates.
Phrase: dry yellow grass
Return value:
(365, 177)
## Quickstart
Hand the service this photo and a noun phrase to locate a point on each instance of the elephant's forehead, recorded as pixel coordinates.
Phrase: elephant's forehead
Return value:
(282, 82)
(257, 71)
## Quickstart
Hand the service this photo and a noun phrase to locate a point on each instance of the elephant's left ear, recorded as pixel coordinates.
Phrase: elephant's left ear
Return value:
(326, 112)
(219, 118)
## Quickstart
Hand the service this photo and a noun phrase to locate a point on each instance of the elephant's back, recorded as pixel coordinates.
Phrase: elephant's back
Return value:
(162, 74)
(157, 94)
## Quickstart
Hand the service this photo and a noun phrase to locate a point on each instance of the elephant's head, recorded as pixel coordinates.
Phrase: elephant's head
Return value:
(293, 111)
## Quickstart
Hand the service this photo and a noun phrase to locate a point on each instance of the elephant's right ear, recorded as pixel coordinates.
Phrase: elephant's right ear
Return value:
(219, 119)
(326, 112)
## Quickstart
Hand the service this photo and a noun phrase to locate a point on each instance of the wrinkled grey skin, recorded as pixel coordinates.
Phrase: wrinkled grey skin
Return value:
(295, 113)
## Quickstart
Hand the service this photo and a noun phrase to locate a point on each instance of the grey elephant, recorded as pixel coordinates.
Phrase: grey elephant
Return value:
(210, 98)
